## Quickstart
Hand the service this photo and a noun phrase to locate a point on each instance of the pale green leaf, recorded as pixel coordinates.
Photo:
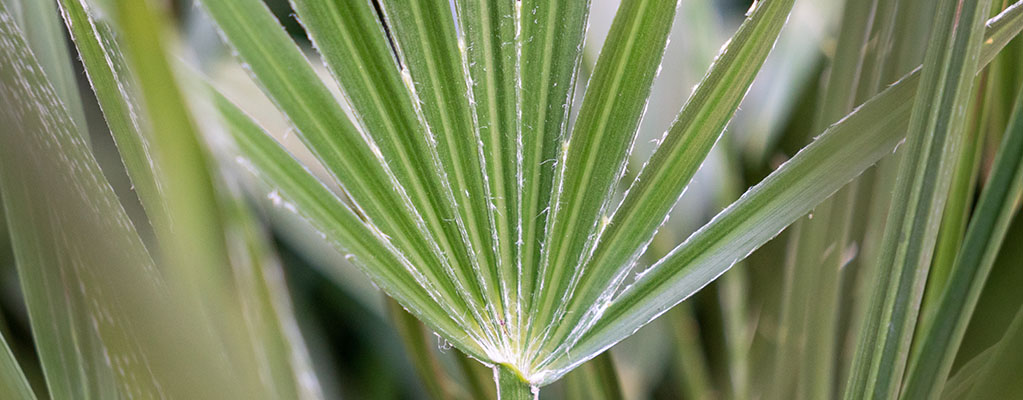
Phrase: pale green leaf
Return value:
(99, 311)
(40, 22)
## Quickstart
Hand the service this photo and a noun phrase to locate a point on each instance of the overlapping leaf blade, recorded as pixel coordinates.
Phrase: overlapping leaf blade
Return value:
(288, 181)
(988, 225)
(821, 246)
(12, 380)
(262, 320)
(117, 95)
(841, 153)
(355, 47)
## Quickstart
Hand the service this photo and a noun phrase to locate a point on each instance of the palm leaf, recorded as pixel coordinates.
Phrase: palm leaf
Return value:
(293, 186)
(353, 159)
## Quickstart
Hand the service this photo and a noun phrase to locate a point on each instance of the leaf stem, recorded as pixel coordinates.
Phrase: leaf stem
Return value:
(512, 386)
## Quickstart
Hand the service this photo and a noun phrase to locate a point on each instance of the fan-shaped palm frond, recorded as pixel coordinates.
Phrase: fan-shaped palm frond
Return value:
(498, 212)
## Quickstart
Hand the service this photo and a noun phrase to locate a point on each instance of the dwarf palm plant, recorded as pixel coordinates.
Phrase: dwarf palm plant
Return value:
(471, 187)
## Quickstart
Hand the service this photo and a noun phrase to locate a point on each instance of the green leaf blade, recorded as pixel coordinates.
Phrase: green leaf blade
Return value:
(117, 95)
(354, 160)
(353, 43)
(686, 145)
(593, 157)
(551, 38)
(370, 251)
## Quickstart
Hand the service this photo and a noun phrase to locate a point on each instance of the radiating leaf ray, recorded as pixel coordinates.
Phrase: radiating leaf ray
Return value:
(435, 73)
(353, 158)
(488, 33)
(550, 47)
(288, 181)
(661, 182)
(355, 47)
(593, 158)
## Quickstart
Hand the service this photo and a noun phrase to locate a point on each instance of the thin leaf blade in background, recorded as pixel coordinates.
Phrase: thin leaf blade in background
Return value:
(282, 361)
(988, 225)
(822, 245)
(921, 188)
(72, 238)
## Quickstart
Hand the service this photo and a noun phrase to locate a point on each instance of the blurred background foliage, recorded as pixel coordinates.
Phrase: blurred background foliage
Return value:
(722, 343)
